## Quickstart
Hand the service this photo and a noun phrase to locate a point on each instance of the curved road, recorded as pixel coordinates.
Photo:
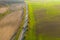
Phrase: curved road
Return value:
(21, 36)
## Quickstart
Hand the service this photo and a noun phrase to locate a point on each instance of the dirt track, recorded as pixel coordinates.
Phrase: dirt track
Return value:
(9, 24)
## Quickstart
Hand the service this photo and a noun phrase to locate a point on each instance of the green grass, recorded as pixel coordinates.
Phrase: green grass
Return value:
(30, 33)
(51, 12)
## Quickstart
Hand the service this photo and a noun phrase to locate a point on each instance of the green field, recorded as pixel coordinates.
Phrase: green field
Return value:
(50, 13)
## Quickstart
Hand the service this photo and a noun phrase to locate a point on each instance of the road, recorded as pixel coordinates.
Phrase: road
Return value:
(25, 25)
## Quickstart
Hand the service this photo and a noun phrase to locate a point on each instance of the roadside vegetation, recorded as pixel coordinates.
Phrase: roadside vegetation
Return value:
(30, 34)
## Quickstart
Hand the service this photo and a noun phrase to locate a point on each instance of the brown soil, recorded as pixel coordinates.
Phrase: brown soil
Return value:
(3, 9)
(9, 24)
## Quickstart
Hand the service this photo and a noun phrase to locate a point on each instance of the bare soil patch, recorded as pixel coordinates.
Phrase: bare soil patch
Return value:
(9, 24)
